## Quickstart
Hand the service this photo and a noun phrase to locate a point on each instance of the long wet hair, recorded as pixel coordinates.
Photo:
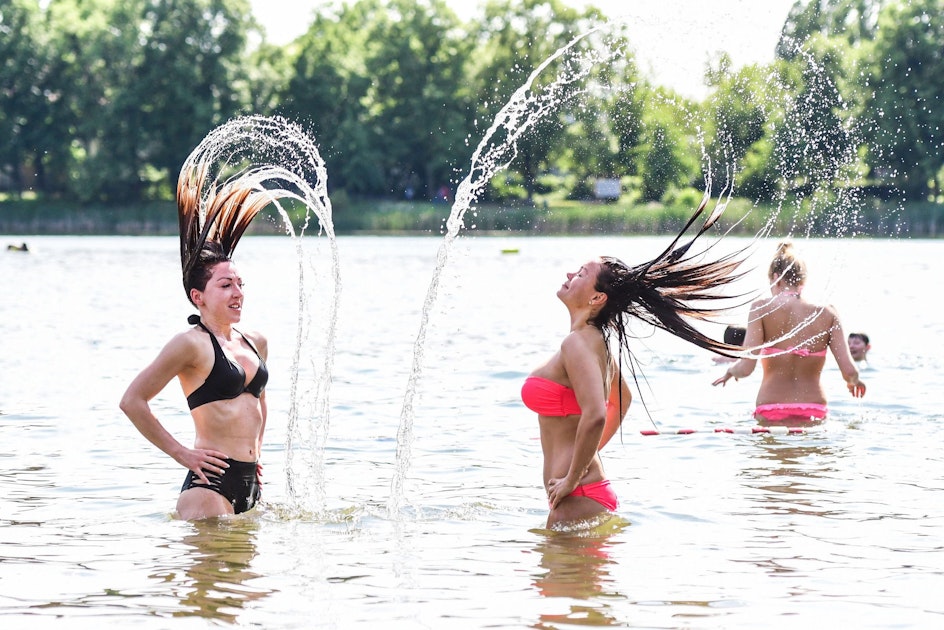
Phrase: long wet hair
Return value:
(668, 291)
(213, 217)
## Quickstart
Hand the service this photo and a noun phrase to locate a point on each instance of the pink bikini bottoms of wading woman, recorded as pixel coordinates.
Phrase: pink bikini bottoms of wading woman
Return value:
(580, 394)
(794, 336)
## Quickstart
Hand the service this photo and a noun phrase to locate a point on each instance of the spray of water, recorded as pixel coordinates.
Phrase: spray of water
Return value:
(278, 157)
(496, 150)
(817, 156)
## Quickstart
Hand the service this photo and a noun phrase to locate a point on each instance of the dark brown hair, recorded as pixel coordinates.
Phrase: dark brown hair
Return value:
(668, 290)
(213, 217)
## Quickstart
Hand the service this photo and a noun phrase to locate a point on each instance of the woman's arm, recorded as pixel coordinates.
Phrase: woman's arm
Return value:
(584, 372)
(754, 338)
(262, 347)
(839, 346)
(616, 407)
(173, 359)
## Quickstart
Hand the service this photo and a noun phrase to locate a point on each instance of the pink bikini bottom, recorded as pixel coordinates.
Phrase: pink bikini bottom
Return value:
(599, 491)
(782, 411)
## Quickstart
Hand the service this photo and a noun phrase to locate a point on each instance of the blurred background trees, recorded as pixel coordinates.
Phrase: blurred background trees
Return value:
(101, 100)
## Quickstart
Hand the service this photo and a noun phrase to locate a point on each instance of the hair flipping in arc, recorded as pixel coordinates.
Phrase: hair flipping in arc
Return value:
(210, 213)
(667, 291)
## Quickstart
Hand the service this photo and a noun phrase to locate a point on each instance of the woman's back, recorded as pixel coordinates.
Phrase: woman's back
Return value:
(793, 337)
(796, 336)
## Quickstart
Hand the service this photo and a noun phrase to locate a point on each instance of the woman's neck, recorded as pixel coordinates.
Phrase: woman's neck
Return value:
(788, 291)
(221, 330)
(580, 320)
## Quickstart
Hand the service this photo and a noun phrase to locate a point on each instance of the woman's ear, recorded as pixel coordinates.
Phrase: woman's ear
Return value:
(196, 296)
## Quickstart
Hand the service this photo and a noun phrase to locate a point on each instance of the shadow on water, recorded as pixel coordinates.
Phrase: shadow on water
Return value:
(576, 566)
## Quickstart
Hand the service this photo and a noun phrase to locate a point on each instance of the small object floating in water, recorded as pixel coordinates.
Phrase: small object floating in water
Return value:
(22, 247)
(510, 250)
(748, 430)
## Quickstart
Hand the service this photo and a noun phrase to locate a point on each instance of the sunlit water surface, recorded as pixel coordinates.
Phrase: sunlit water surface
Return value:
(842, 526)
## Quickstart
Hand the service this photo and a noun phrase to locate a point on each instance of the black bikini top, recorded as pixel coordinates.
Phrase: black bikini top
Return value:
(227, 379)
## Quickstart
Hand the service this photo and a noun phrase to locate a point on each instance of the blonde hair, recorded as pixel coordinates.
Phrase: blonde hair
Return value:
(787, 266)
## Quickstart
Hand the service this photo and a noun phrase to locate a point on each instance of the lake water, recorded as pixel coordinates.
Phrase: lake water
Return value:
(839, 526)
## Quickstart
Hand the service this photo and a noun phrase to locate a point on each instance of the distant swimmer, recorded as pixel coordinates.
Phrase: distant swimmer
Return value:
(22, 247)
(859, 346)
(794, 336)
(733, 335)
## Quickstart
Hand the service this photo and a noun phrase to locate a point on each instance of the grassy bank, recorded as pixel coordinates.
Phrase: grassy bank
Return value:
(872, 218)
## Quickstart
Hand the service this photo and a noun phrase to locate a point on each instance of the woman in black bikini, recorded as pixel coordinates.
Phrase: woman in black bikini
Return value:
(580, 394)
(221, 370)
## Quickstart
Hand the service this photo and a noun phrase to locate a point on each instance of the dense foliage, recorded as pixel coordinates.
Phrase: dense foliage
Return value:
(101, 100)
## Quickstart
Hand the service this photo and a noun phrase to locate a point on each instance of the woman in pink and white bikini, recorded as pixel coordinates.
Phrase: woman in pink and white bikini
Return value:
(794, 336)
(580, 394)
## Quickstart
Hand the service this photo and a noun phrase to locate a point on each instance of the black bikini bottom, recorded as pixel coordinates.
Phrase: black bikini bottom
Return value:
(238, 484)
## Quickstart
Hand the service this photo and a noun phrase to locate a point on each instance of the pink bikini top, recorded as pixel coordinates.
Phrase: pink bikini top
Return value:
(800, 352)
(548, 398)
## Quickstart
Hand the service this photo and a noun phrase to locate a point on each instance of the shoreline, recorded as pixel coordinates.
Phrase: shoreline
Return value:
(26, 218)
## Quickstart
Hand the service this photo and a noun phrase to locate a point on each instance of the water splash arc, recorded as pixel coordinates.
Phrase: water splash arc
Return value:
(280, 159)
(524, 109)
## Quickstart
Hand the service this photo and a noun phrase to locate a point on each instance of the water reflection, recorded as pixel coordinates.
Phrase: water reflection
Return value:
(576, 566)
(787, 474)
(794, 485)
(215, 581)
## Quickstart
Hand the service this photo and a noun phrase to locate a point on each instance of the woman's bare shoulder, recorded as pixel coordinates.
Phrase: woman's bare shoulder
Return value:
(258, 340)
(191, 344)
(181, 352)
(582, 337)
(761, 305)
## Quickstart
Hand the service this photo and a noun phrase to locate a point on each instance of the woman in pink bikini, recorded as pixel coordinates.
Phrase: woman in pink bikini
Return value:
(580, 394)
(794, 336)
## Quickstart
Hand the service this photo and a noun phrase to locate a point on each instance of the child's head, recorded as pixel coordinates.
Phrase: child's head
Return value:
(858, 345)
(734, 335)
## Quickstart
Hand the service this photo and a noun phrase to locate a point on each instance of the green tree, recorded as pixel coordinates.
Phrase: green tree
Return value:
(741, 111)
(627, 108)
(906, 108)
(382, 84)
(516, 38)
(666, 156)
(419, 92)
(327, 92)
(137, 84)
(815, 144)
(854, 21)
(605, 126)
(268, 70)
(737, 111)
(823, 50)
(192, 76)
(94, 48)
(23, 65)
